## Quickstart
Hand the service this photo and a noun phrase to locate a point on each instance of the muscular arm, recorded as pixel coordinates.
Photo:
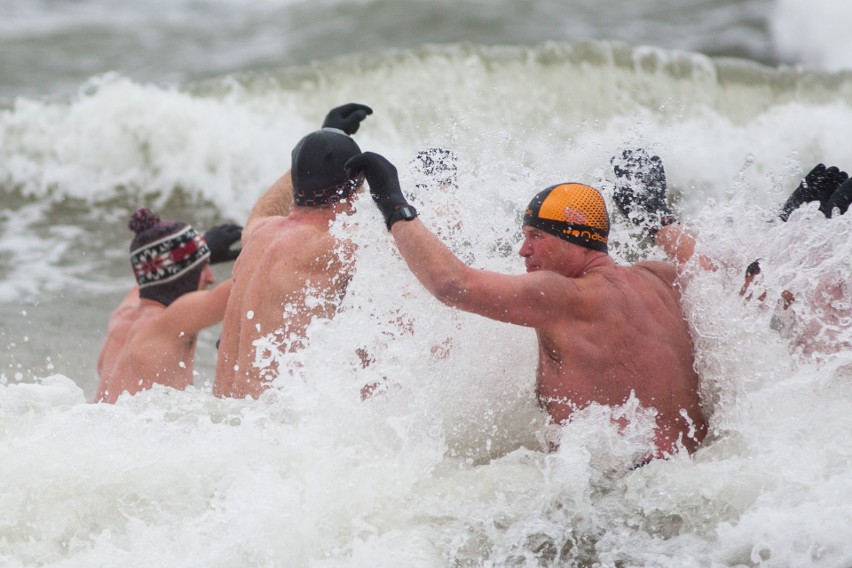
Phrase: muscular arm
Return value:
(526, 300)
(196, 311)
(276, 201)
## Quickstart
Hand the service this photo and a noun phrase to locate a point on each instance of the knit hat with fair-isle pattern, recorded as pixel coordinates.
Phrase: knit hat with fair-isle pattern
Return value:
(167, 256)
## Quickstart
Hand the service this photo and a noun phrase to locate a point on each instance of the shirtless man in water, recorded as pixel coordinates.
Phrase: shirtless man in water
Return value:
(604, 331)
(152, 334)
(291, 269)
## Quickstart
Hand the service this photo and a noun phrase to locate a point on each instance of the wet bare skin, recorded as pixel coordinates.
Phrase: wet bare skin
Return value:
(148, 343)
(291, 270)
(603, 330)
(826, 313)
(809, 335)
(627, 334)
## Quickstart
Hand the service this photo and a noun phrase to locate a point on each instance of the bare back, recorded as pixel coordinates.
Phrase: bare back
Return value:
(621, 329)
(289, 273)
(137, 354)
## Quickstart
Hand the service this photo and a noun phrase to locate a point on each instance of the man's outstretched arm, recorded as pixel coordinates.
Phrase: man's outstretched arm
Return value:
(519, 299)
(275, 201)
(195, 311)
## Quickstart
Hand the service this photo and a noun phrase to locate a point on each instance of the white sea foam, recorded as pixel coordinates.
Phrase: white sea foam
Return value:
(444, 467)
(813, 32)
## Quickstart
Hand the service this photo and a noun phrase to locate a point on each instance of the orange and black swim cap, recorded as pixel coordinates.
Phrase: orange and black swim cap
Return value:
(573, 212)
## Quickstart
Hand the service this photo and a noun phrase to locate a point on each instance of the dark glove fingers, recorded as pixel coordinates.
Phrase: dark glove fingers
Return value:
(804, 193)
(617, 167)
(383, 178)
(834, 180)
(813, 181)
(347, 117)
(235, 232)
(827, 184)
(819, 185)
(231, 231)
(640, 191)
(753, 269)
(629, 201)
(817, 172)
(219, 240)
(363, 162)
(624, 198)
(353, 122)
(638, 165)
(350, 108)
(840, 199)
(380, 173)
(356, 117)
(655, 179)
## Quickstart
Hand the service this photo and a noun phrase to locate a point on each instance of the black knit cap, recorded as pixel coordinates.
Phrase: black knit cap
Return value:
(318, 167)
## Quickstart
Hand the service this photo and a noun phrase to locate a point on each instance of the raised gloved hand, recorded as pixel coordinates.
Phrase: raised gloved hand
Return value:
(220, 239)
(640, 190)
(840, 199)
(384, 186)
(818, 185)
(347, 117)
(753, 269)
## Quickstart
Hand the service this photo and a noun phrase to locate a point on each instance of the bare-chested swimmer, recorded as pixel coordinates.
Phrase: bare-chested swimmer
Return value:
(604, 331)
(152, 334)
(291, 269)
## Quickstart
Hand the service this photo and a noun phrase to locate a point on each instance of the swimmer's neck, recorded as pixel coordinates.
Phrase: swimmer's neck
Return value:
(594, 263)
(148, 303)
(321, 213)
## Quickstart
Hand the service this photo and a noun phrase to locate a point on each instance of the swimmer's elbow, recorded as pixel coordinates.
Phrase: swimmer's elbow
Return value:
(450, 291)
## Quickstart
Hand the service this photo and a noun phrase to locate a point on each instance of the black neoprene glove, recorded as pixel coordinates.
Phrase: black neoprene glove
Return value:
(220, 239)
(753, 269)
(818, 185)
(840, 199)
(640, 190)
(347, 117)
(384, 186)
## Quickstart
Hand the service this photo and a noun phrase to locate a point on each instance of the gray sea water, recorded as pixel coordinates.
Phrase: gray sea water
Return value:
(52, 47)
(192, 106)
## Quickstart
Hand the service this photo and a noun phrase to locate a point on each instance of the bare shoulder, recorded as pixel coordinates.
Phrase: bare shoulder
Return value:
(663, 270)
(284, 244)
(128, 305)
(273, 232)
(302, 237)
(258, 226)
